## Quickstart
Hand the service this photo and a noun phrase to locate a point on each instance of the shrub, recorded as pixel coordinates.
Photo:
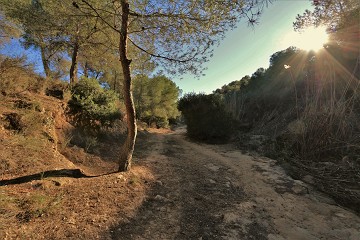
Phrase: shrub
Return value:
(92, 106)
(206, 117)
(156, 121)
(17, 76)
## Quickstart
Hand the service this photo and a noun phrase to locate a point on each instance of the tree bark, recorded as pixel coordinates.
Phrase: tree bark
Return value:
(45, 62)
(86, 70)
(74, 63)
(128, 147)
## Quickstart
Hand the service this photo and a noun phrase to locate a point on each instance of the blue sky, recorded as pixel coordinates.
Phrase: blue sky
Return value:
(14, 49)
(245, 49)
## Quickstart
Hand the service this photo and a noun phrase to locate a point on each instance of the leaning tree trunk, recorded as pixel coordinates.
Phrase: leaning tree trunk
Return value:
(128, 147)
(45, 62)
(74, 63)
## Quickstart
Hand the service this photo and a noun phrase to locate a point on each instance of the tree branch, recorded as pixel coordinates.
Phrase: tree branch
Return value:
(99, 16)
(160, 56)
(157, 14)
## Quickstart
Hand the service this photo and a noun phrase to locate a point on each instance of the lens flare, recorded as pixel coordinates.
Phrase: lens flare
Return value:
(309, 39)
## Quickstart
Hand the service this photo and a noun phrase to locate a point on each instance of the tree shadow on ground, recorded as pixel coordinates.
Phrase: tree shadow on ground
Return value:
(73, 173)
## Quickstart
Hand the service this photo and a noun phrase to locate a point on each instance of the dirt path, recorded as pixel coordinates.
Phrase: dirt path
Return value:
(216, 192)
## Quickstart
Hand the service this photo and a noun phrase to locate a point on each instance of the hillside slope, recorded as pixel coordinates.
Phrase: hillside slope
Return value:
(36, 137)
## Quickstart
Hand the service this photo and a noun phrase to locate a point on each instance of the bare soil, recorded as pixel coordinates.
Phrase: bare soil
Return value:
(215, 192)
(177, 189)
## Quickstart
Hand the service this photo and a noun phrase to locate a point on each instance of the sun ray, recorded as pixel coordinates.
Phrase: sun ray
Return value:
(308, 39)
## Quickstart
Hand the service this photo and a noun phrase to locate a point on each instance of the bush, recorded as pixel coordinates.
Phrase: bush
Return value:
(92, 106)
(155, 100)
(17, 76)
(155, 121)
(206, 117)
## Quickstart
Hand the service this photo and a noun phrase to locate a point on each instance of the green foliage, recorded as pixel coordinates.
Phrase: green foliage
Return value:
(330, 13)
(179, 35)
(206, 117)
(233, 86)
(155, 99)
(92, 106)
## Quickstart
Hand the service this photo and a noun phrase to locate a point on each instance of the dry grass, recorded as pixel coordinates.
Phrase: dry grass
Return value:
(311, 111)
(326, 137)
(60, 208)
(17, 76)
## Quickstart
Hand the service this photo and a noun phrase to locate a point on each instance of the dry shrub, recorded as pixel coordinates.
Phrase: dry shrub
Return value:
(33, 123)
(17, 76)
(326, 137)
(330, 132)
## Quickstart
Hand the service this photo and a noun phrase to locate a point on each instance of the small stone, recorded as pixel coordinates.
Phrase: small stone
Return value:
(161, 198)
(308, 179)
(213, 167)
(298, 189)
(341, 215)
(121, 177)
(212, 181)
(72, 221)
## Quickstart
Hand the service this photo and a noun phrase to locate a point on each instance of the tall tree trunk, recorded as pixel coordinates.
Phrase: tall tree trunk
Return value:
(86, 70)
(115, 80)
(45, 62)
(74, 63)
(128, 147)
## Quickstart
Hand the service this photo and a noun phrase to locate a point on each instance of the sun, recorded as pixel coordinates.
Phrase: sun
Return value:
(309, 39)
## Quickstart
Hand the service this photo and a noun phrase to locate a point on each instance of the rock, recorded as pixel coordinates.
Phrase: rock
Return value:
(72, 220)
(121, 177)
(299, 187)
(308, 179)
(212, 181)
(161, 198)
(213, 167)
(341, 215)
(299, 190)
(320, 197)
(230, 217)
(275, 237)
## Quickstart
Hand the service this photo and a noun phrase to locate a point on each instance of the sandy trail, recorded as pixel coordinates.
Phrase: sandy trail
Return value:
(216, 192)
